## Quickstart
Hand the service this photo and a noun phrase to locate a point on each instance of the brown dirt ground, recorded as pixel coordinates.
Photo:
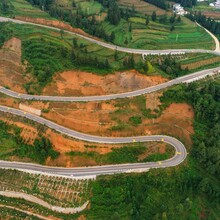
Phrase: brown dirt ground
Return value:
(64, 144)
(212, 14)
(95, 118)
(85, 83)
(11, 68)
(176, 120)
(153, 100)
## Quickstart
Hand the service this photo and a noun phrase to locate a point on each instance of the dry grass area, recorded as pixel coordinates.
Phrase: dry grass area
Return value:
(11, 68)
(84, 83)
(141, 6)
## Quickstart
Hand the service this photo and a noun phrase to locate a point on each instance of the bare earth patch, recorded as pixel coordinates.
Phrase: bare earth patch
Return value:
(84, 83)
(11, 68)
(176, 120)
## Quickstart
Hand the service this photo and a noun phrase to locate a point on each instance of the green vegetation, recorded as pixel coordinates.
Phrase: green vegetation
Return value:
(10, 213)
(35, 208)
(39, 152)
(15, 8)
(127, 154)
(48, 52)
(5, 34)
(12, 145)
(157, 157)
(211, 24)
(46, 58)
(158, 194)
(189, 191)
(135, 120)
(124, 26)
(204, 6)
(206, 101)
(133, 112)
(116, 156)
(47, 188)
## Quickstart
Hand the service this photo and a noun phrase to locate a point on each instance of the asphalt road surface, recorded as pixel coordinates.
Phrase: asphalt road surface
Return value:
(178, 158)
(180, 154)
(114, 47)
(183, 79)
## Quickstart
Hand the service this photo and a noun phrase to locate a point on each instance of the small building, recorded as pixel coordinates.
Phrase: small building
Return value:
(215, 4)
(178, 9)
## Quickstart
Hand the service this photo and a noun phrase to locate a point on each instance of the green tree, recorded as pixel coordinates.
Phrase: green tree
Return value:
(154, 16)
(116, 55)
(147, 20)
(172, 28)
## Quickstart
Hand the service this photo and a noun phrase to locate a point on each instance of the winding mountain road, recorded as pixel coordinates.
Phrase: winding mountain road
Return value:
(178, 158)
(187, 78)
(114, 47)
(180, 150)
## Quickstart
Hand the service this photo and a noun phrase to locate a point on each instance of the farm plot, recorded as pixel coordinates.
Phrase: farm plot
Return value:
(56, 190)
(200, 61)
(23, 8)
(141, 7)
(159, 36)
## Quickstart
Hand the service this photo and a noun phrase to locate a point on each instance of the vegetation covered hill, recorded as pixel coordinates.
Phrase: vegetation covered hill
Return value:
(191, 191)
(118, 22)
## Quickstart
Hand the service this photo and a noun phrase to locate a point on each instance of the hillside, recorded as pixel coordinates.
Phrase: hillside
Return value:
(91, 129)
(128, 26)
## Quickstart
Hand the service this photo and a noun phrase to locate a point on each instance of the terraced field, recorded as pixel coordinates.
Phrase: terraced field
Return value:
(159, 36)
(58, 191)
(23, 8)
(141, 7)
(154, 36)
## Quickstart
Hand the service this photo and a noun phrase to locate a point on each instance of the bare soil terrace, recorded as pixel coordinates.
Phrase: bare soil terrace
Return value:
(11, 68)
(85, 83)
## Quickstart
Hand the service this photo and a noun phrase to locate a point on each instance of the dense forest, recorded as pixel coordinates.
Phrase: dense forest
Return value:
(186, 3)
(44, 57)
(159, 3)
(163, 4)
(210, 24)
(191, 191)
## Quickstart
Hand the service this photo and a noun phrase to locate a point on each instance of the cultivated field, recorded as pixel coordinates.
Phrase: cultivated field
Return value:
(56, 190)
(23, 8)
(153, 36)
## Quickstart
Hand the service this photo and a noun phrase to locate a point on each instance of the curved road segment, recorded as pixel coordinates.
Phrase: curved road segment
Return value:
(180, 154)
(178, 158)
(114, 47)
(188, 78)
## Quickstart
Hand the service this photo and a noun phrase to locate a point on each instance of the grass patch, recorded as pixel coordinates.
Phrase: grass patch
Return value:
(11, 144)
(135, 120)
(126, 154)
